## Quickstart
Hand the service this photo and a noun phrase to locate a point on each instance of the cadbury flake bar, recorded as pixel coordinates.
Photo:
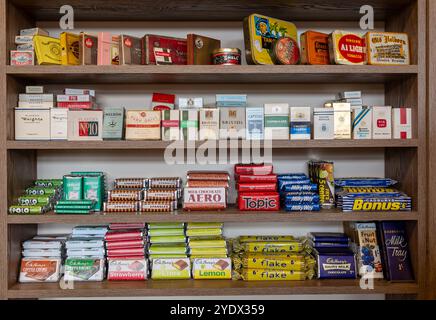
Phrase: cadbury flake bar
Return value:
(272, 275)
(244, 239)
(297, 262)
(295, 246)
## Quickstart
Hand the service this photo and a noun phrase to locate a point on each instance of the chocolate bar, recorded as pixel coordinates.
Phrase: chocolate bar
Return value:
(130, 183)
(125, 195)
(336, 264)
(259, 201)
(121, 206)
(127, 269)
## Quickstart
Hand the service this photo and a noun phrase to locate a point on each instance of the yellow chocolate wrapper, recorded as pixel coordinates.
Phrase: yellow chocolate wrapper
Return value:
(295, 246)
(295, 263)
(212, 268)
(217, 252)
(272, 275)
(207, 243)
(244, 239)
(204, 232)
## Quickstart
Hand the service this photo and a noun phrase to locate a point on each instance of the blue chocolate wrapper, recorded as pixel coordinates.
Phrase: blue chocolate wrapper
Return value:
(308, 198)
(283, 183)
(291, 176)
(299, 207)
(336, 264)
(300, 187)
(365, 182)
(329, 237)
(329, 245)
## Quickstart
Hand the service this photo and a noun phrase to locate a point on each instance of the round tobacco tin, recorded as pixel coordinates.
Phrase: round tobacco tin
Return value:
(226, 56)
(285, 51)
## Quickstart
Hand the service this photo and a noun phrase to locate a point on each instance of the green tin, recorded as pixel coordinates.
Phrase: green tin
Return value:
(93, 189)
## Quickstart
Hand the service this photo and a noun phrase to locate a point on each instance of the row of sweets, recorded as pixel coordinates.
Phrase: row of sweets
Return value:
(136, 252)
(258, 189)
(77, 118)
(267, 41)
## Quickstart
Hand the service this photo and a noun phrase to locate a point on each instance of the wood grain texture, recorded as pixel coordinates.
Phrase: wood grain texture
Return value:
(210, 10)
(431, 160)
(211, 74)
(157, 145)
(205, 288)
(407, 166)
(229, 215)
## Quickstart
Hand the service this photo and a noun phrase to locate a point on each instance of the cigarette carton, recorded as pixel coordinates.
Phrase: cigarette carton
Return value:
(402, 123)
(323, 124)
(382, 122)
(32, 124)
(342, 120)
(300, 123)
(255, 122)
(277, 121)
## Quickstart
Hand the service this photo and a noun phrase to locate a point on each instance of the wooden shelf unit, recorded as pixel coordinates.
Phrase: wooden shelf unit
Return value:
(404, 160)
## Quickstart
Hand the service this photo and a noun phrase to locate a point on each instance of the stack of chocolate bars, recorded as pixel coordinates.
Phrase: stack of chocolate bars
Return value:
(265, 258)
(168, 252)
(144, 195)
(371, 194)
(298, 193)
(208, 251)
(257, 187)
(206, 190)
(125, 244)
(86, 254)
(83, 193)
(39, 198)
(334, 257)
(42, 259)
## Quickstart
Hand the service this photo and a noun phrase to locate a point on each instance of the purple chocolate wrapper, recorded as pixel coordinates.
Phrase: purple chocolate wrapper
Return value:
(395, 249)
(336, 264)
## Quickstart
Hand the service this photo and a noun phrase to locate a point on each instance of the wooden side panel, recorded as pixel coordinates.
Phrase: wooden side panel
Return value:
(431, 121)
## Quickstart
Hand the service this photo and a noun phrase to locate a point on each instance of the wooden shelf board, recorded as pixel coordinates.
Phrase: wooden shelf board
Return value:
(230, 215)
(157, 145)
(210, 10)
(205, 288)
(211, 74)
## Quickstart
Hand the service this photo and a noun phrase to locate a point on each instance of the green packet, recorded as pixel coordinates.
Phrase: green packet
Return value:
(179, 268)
(167, 249)
(166, 225)
(168, 239)
(166, 256)
(166, 232)
(204, 232)
(204, 225)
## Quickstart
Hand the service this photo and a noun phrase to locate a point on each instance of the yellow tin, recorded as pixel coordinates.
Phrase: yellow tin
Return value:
(260, 32)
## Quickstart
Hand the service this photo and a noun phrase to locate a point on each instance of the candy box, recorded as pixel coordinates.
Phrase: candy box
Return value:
(362, 123)
(22, 58)
(58, 124)
(255, 123)
(387, 48)
(347, 48)
(48, 50)
(314, 48)
(342, 120)
(32, 124)
(170, 125)
(300, 123)
(209, 124)
(189, 125)
(277, 121)
(402, 123)
(232, 123)
(212, 268)
(113, 123)
(382, 122)
(260, 34)
(179, 268)
(367, 250)
(323, 124)
(85, 125)
(40, 270)
(143, 125)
